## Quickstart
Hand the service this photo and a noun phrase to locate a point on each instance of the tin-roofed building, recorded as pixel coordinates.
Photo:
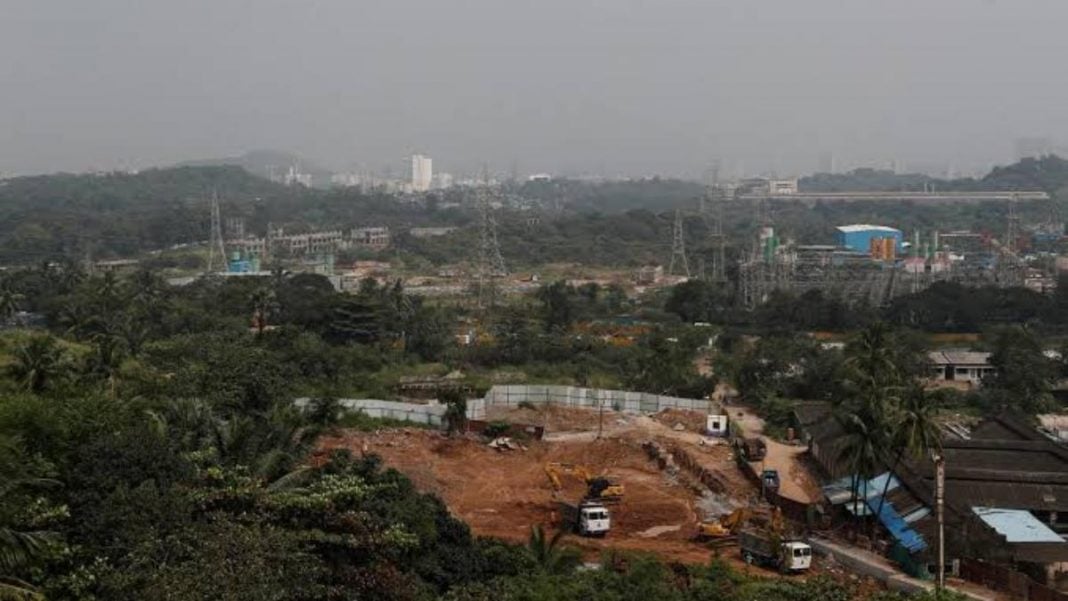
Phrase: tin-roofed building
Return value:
(1006, 493)
(858, 237)
(967, 367)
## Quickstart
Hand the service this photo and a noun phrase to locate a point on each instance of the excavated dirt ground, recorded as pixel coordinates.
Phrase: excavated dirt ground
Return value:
(504, 493)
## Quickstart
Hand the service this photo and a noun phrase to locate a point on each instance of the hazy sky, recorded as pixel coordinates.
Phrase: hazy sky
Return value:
(610, 86)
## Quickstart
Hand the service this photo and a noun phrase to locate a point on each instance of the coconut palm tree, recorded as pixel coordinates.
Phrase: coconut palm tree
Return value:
(548, 552)
(872, 357)
(17, 547)
(37, 363)
(916, 433)
(10, 300)
(264, 303)
(858, 448)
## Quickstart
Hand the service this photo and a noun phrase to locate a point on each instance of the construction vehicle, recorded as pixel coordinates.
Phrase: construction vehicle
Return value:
(586, 518)
(605, 489)
(770, 549)
(770, 518)
(753, 449)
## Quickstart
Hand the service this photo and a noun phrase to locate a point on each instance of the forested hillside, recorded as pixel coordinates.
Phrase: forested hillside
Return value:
(609, 223)
(1048, 173)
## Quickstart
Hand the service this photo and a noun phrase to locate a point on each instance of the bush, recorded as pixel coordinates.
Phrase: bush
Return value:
(496, 429)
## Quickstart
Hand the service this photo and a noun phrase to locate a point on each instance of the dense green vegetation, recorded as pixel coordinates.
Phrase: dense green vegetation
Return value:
(1048, 173)
(151, 450)
(625, 223)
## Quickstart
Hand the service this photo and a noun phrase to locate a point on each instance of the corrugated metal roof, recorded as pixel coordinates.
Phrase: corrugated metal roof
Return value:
(840, 491)
(1017, 525)
(959, 357)
(864, 227)
(898, 527)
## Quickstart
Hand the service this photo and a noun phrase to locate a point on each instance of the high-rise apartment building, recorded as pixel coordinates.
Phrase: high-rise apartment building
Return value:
(422, 173)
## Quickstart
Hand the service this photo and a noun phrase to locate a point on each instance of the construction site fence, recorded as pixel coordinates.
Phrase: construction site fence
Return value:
(433, 413)
(418, 413)
(1005, 579)
(573, 396)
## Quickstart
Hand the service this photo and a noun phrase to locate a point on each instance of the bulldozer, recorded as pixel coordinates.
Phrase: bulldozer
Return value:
(600, 488)
(729, 525)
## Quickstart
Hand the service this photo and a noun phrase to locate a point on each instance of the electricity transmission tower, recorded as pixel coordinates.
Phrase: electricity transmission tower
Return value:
(678, 247)
(215, 242)
(712, 211)
(1010, 268)
(490, 261)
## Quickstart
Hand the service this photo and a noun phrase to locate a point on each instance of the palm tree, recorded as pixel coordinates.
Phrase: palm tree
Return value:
(10, 300)
(871, 356)
(915, 432)
(17, 548)
(37, 363)
(106, 358)
(548, 553)
(264, 305)
(859, 448)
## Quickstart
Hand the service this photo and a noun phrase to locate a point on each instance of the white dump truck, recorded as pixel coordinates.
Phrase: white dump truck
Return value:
(587, 518)
(766, 549)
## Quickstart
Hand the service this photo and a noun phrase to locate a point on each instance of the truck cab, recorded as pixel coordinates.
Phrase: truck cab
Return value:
(796, 556)
(594, 520)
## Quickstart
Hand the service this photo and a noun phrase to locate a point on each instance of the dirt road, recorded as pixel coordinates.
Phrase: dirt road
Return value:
(796, 482)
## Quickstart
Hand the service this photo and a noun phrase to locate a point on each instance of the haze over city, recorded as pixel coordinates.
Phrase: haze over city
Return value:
(614, 87)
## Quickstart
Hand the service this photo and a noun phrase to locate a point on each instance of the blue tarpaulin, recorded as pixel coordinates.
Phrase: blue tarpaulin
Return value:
(898, 528)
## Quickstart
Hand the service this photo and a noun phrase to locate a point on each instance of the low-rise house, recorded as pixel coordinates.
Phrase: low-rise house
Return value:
(965, 367)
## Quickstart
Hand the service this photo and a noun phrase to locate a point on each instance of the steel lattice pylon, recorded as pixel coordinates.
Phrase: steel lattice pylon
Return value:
(490, 262)
(678, 247)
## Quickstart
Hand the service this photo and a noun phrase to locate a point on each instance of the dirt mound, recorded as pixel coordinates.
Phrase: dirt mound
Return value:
(553, 417)
(692, 421)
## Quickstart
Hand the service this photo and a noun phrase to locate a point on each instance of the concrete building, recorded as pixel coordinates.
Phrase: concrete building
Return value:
(781, 187)
(430, 232)
(310, 243)
(373, 238)
(248, 246)
(422, 173)
(295, 177)
(649, 274)
(859, 237)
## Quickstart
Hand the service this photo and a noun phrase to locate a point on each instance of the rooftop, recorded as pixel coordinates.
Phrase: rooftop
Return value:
(959, 357)
(864, 227)
(1016, 525)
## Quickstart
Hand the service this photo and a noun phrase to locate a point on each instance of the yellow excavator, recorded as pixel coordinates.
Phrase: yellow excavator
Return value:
(730, 524)
(601, 488)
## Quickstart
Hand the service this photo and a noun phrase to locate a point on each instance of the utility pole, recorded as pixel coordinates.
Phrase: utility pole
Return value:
(600, 413)
(940, 490)
(215, 242)
(678, 246)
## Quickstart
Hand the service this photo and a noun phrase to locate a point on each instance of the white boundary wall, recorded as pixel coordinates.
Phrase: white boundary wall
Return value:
(510, 396)
(572, 396)
(431, 414)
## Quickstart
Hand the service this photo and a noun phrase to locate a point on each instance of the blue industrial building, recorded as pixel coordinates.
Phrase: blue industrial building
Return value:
(859, 237)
